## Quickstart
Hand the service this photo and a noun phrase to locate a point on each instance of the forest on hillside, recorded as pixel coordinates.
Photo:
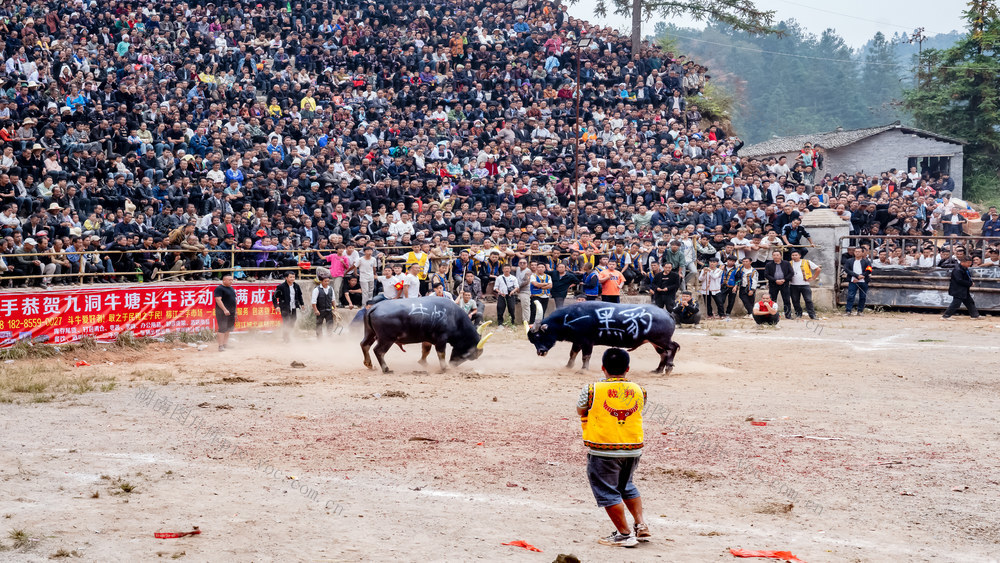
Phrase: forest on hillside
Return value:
(802, 83)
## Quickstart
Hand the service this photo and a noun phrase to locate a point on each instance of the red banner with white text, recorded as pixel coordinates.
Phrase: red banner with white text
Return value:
(57, 316)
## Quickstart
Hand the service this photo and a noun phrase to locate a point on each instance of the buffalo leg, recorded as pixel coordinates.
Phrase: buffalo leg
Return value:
(366, 345)
(441, 351)
(588, 350)
(380, 349)
(667, 354)
(426, 350)
(572, 355)
(672, 349)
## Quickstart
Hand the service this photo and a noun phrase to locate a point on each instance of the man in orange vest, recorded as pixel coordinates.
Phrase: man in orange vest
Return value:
(611, 416)
(612, 281)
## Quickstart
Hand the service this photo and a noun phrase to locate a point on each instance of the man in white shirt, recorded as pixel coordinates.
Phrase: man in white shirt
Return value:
(507, 288)
(323, 305)
(523, 276)
(803, 272)
(402, 227)
(411, 282)
(388, 281)
(366, 265)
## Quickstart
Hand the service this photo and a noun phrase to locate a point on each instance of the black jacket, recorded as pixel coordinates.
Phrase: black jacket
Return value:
(284, 299)
(771, 268)
(866, 265)
(961, 283)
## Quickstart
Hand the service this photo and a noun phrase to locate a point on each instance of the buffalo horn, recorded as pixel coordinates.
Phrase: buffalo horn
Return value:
(482, 341)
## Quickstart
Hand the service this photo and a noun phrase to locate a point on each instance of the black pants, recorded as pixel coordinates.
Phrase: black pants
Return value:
(715, 298)
(747, 297)
(774, 290)
(729, 296)
(767, 319)
(559, 301)
(611, 298)
(506, 304)
(957, 302)
(324, 316)
(536, 299)
(287, 323)
(803, 292)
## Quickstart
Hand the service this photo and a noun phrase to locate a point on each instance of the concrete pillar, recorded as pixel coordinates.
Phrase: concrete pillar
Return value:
(826, 228)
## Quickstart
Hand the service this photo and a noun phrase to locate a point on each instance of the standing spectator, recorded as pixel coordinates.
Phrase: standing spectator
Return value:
(339, 266)
(611, 416)
(611, 283)
(506, 287)
(748, 285)
(778, 273)
(367, 266)
(730, 284)
(541, 290)
(388, 281)
(411, 282)
(562, 280)
(287, 299)
(960, 290)
(711, 287)
(803, 272)
(590, 285)
(858, 269)
(523, 275)
(322, 303)
(225, 310)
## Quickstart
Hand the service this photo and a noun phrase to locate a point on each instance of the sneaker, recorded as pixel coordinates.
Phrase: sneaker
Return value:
(618, 539)
(222, 348)
(642, 533)
(947, 318)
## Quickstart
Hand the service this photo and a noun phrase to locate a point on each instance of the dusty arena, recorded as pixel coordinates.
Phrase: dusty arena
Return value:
(879, 444)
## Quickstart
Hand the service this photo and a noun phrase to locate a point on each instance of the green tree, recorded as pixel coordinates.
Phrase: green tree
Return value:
(958, 94)
(742, 15)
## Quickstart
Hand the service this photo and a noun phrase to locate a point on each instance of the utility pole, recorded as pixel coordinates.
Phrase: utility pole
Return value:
(580, 45)
(919, 37)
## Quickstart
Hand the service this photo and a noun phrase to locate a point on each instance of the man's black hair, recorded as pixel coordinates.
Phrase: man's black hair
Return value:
(615, 361)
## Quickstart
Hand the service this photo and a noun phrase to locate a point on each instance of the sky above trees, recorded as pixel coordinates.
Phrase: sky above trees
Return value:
(856, 21)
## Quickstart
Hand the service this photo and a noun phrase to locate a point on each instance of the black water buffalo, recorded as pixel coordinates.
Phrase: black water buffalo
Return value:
(433, 321)
(606, 324)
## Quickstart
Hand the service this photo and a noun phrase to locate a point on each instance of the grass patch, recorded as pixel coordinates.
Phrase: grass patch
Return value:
(776, 508)
(118, 486)
(43, 381)
(128, 340)
(716, 333)
(159, 376)
(63, 553)
(19, 537)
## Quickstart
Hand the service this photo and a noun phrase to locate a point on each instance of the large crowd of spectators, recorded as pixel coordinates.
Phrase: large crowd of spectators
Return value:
(144, 141)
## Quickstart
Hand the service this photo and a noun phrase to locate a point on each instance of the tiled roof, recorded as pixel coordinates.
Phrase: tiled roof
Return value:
(832, 140)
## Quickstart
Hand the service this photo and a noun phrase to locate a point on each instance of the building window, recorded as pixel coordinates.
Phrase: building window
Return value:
(933, 166)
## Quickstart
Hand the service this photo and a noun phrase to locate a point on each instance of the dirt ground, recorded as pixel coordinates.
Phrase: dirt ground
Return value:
(338, 463)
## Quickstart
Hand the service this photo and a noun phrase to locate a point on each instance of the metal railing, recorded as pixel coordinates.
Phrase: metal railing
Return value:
(915, 287)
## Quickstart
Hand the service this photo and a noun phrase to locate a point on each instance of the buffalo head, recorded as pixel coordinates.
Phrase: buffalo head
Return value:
(472, 352)
(539, 333)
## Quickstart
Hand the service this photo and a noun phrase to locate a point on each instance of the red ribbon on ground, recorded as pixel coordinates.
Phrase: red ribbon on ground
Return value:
(168, 535)
(785, 555)
(525, 545)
